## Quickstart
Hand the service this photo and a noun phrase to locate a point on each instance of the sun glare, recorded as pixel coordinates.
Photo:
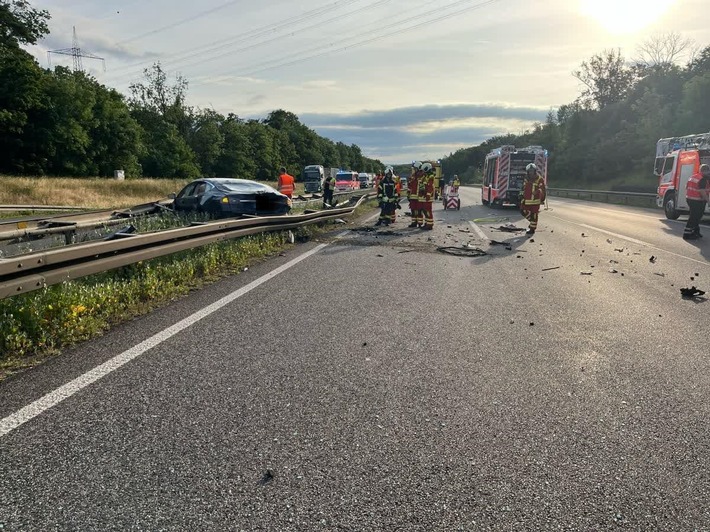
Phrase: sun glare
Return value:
(625, 16)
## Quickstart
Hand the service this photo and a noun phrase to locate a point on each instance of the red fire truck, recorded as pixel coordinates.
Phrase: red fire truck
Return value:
(504, 173)
(678, 158)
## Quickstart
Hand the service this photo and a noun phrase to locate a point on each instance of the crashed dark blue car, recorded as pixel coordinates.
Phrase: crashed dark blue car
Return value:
(222, 198)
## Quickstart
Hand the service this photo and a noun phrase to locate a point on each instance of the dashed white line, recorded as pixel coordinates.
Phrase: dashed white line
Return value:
(55, 397)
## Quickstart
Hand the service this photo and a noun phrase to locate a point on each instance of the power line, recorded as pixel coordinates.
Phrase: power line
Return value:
(280, 63)
(179, 22)
(377, 3)
(222, 43)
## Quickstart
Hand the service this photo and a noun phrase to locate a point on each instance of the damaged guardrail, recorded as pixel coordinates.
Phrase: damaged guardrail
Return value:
(639, 199)
(34, 271)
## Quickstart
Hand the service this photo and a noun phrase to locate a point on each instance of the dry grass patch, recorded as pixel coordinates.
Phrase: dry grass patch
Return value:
(91, 193)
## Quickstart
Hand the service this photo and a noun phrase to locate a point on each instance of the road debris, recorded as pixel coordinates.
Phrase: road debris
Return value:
(406, 251)
(510, 228)
(584, 236)
(585, 273)
(691, 293)
(268, 477)
(619, 250)
(613, 270)
(660, 274)
(553, 268)
(608, 241)
(652, 260)
(462, 251)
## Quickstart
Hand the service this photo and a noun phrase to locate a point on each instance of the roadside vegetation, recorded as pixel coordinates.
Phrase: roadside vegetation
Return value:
(92, 193)
(38, 324)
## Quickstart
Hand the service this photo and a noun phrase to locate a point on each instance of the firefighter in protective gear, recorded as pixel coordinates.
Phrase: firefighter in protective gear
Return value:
(532, 196)
(426, 196)
(413, 194)
(456, 183)
(697, 193)
(387, 196)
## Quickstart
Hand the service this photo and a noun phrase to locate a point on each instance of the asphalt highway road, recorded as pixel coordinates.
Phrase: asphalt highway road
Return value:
(380, 384)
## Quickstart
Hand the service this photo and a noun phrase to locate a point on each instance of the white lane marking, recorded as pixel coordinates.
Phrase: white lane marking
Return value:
(630, 239)
(478, 230)
(55, 397)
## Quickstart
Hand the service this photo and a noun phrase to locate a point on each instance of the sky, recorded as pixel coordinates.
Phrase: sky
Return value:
(403, 79)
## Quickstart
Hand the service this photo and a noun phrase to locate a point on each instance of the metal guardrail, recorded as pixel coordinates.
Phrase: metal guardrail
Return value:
(33, 271)
(642, 199)
(39, 208)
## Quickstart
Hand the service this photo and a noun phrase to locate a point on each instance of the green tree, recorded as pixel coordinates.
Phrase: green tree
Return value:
(21, 24)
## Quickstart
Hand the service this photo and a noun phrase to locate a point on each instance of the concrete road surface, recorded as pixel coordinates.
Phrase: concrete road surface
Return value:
(377, 383)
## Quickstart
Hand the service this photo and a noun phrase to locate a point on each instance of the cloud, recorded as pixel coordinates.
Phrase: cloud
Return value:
(410, 116)
(431, 131)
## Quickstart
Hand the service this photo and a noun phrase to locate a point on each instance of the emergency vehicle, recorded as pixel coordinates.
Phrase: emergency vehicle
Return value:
(346, 180)
(677, 159)
(504, 173)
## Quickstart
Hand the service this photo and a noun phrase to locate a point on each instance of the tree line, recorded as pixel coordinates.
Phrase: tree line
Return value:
(65, 123)
(607, 137)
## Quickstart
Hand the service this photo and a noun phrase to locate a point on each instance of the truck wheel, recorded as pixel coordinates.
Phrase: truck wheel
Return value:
(669, 206)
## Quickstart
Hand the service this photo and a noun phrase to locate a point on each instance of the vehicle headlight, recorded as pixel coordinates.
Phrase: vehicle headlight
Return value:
(225, 199)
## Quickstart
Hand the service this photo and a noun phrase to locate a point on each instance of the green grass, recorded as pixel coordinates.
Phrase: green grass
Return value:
(38, 324)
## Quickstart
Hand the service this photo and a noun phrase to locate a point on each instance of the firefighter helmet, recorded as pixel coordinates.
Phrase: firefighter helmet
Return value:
(417, 165)
(531, 166)
(389, 170)
(426, 168)
(705, 169)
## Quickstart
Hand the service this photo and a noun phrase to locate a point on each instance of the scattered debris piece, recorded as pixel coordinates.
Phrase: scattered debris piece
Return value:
(379, 255)
(620, 250)
(510, 228)
(613, 270)
(339, 221)
(691, 293)
(608, 241)
(612, 261)
(509, 248)
(553, 268)
(449, 226)
(364, 344)
(512, 322)
(692, 278)
(497, 243)
(585, 273)
(268, 477)
(245, 269)
(584, 236)
(532, 323)
(532, 240)
(660, 274)
(652, 260)
(463, 251)
(405, 251)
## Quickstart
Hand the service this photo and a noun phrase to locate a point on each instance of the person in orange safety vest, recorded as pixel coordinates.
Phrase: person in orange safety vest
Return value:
(532, 196)
(287, 184)
(697, 193)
